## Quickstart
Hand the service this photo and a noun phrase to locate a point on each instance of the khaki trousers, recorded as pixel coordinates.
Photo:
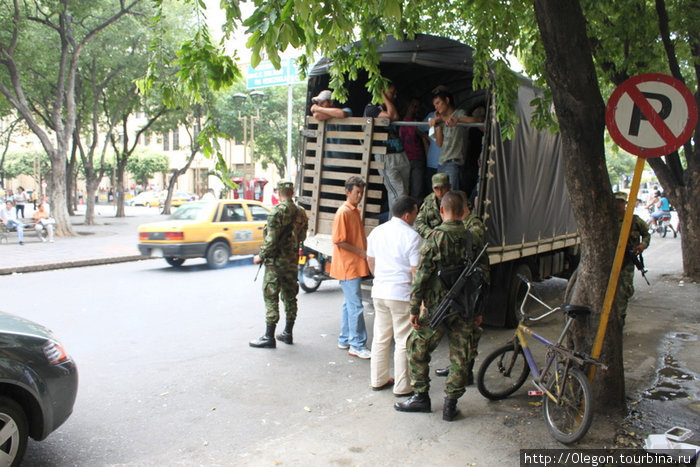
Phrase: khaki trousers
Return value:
(391, 320)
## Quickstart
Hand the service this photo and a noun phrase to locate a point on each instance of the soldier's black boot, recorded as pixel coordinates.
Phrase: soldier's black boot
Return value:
(419, 402)
(267, 341)
(286, 335)
(449, 410)
(443, 371)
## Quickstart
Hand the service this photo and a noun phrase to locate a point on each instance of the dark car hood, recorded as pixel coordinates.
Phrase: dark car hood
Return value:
(17, 325)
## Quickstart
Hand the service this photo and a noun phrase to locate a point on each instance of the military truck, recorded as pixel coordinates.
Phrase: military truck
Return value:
(522, 196)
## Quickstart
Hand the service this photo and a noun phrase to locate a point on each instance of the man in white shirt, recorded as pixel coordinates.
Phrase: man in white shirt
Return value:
(8, 216)
(393, 251)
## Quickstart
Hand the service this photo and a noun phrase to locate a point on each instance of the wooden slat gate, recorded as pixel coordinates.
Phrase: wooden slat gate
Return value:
(334, 150)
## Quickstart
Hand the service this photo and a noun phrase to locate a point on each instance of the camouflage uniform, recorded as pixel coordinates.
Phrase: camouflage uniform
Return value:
(475, 227)
(285, 230)
(428, 216)
(639, 234)
(445, 247)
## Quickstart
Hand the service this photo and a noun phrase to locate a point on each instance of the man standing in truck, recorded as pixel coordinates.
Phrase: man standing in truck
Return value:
(397, 169)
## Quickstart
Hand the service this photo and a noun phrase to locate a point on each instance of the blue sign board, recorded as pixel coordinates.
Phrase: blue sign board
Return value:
(265, 74)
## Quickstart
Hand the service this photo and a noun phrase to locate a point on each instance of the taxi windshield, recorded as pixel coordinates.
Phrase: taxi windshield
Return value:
(190, 212)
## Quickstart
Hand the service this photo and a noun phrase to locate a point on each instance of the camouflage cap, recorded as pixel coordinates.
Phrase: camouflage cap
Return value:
(441, 180)
(621, 196)
(285, 185)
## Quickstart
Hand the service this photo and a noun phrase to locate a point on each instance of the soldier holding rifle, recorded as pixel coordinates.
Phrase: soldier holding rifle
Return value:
(285, 230)
(445, 247)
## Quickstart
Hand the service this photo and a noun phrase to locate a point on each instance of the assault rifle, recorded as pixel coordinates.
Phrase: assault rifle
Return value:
(451, 301)
(638, 261)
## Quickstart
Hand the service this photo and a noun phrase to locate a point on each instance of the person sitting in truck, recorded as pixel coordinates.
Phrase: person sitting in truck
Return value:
(397, 169)
(324, 108)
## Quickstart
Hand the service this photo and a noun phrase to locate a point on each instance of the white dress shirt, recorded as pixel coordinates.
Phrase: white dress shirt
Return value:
(395, 247)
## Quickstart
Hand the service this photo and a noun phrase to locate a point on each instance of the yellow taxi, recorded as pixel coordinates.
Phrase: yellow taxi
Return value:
(214, 230)
(177, 200)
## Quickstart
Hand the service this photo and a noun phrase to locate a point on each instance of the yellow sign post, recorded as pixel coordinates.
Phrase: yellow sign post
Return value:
(649, 115)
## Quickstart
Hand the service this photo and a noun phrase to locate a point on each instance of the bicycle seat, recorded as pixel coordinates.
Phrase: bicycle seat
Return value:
(576, 310)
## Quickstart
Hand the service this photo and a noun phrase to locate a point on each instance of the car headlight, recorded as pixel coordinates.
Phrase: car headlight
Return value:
(55, 353)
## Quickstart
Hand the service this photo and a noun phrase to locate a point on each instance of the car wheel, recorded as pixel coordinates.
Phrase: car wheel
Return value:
(14, 430)
(218, 255)
(174, 261)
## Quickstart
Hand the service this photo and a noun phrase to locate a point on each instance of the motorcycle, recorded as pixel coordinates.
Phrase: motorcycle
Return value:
(314, 268)
(663, 225)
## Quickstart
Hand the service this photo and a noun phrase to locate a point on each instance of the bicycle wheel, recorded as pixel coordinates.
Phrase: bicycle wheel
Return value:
(503, 372)
(568, 419)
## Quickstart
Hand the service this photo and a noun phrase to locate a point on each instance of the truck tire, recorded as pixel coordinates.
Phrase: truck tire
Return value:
(516, 289)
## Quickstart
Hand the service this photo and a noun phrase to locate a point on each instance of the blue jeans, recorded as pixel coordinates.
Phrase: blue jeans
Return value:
(17, 226)
(454, 171)
(352, 324)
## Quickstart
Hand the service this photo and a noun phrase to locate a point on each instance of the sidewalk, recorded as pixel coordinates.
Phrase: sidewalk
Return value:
(111, 240)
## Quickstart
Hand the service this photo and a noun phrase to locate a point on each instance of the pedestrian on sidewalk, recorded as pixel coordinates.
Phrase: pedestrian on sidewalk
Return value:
(8, 216)
(349, 266)
(393, 250)
(20, 200)
(285, 230)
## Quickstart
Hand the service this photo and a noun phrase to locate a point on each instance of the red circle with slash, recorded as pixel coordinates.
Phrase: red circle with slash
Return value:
(651, 115)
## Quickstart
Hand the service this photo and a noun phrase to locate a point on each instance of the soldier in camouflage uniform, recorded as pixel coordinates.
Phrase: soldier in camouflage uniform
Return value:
(285, 230)
(429, 213)
(638, 241)
(478, 231)
(446, 246)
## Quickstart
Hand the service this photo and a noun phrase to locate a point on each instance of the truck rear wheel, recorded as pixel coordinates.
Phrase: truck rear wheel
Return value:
(516, 291)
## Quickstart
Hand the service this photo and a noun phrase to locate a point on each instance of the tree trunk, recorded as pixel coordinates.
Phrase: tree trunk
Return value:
(57, 195)
(91, 184)
(570, 73)
(684, 196)
(119, 192)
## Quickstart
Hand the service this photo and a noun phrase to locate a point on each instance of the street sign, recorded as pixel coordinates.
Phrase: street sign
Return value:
(265, 74)
(651, 115)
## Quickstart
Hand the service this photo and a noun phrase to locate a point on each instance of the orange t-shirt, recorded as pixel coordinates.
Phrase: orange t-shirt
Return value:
(348, 227)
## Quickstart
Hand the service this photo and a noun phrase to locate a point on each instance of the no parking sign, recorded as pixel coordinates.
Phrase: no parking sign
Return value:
(651, 115)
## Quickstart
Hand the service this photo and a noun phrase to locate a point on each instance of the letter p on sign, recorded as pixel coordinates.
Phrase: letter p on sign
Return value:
(651, 115)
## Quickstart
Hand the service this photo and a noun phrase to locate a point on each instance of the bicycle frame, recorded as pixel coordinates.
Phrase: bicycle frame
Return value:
(554, 349)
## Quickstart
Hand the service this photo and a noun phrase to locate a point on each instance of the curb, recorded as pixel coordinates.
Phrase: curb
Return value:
(70, 264)
(237, 261)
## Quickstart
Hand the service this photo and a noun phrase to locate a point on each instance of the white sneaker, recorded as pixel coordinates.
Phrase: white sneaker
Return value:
(360, 353)
(343, 346)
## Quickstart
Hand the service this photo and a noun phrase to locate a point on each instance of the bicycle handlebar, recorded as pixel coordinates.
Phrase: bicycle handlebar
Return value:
(523, 314)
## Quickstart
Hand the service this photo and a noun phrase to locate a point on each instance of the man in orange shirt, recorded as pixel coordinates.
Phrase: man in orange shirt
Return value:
(349, 265)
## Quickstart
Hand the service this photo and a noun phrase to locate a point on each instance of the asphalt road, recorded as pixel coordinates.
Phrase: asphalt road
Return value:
(167, 378)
